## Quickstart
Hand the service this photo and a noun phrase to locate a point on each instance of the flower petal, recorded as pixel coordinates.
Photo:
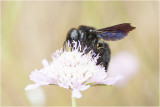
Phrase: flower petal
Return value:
(45, 62)
(40, 78)
(84, 87)
(112, 80)
(76, 93)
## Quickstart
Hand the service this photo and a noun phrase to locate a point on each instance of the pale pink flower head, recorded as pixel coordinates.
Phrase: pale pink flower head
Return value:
(125, 64)
(72, 70)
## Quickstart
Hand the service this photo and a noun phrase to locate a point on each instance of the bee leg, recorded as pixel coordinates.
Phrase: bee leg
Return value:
(104, 55)
(86, 38)
(71, 36)
(82, 39)
(64, 45)
(92, 46)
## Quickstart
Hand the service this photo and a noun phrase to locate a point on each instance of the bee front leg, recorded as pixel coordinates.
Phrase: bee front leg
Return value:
(64, 46)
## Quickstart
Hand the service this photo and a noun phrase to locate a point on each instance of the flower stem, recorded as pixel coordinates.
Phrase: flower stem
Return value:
(73, 102)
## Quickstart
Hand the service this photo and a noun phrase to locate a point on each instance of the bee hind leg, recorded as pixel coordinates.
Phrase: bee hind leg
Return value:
(64, 46)
(104, 55)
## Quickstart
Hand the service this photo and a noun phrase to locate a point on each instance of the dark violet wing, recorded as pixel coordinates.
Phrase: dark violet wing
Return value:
(114, 33)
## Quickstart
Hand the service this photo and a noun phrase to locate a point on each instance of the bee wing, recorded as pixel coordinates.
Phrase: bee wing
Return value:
(114, 33)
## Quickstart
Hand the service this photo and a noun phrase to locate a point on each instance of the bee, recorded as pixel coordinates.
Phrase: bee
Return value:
(94, 39)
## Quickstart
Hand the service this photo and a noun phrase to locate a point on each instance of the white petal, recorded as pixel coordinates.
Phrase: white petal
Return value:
(76, 93)
(45, 62)
(31, 86)
(84, 87)
(112, 80)
(40, 78)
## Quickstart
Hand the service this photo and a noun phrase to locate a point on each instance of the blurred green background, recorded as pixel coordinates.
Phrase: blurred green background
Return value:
(32, 31)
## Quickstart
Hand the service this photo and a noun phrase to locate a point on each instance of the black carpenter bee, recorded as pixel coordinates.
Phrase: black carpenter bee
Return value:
(91, 38)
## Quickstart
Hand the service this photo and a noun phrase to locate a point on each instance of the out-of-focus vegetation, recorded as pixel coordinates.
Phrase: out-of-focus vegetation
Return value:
(32, 31)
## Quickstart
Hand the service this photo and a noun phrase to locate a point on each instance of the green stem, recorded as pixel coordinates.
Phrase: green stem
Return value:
(73, 102)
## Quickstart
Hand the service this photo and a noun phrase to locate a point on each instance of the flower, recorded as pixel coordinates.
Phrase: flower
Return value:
(72, 70)
(123, 63)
